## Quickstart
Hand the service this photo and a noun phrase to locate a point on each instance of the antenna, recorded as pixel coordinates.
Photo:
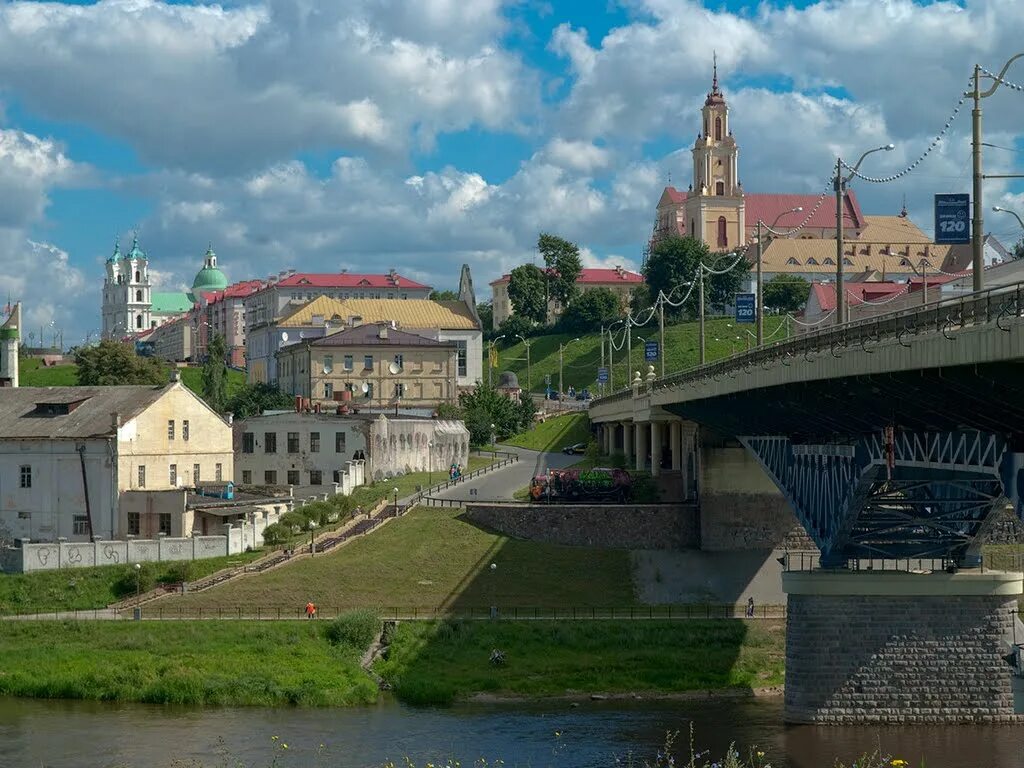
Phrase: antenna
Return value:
(284, 335)
(365, 388)
(395, 369)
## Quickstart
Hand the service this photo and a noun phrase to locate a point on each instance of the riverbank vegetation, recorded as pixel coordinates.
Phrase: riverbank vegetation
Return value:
(555, 433)
(440, 662)
(229, 663)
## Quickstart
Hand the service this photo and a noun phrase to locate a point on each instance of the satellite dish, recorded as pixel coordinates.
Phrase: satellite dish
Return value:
(365, 387)
(284, 335)
(395, 369)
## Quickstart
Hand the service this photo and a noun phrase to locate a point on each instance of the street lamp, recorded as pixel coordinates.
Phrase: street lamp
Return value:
(395, 492)
(840, 187)
(642, 341)
(490, 358)
(526, 344)
(494, 608)
(759, 297)
(1015, 215)
(611, 361)
(561, 349)
(138, 591)
(494, 437)
(430, 464)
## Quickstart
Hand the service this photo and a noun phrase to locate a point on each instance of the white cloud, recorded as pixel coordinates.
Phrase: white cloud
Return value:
(577, 155)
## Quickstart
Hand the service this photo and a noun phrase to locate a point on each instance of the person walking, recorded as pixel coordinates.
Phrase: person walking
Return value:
(310, 610)
(750, 607)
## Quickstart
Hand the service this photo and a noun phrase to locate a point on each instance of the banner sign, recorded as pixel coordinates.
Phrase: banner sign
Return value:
(650, 350)
(745, 304)
(952, 219)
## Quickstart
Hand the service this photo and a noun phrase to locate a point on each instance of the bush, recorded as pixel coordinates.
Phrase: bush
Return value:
(293, 521)
(132, 579)
(645, 490)
(276, 534)
(320, 512)
(355, 629)
(179, 572)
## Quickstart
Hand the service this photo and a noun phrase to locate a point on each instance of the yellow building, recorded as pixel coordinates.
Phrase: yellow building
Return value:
(371, 366)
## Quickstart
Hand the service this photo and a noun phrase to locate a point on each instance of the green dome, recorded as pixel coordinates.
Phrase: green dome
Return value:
(209, 279)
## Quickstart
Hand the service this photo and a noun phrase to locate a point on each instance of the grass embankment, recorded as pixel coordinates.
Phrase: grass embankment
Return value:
(582, 358)
(430, 559)
(236, 663)
(438, 662)
(33, 374)
(82, 589)
(555, 433)
(368, 495)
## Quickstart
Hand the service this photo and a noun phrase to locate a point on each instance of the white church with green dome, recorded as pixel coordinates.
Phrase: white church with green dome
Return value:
(130, 305)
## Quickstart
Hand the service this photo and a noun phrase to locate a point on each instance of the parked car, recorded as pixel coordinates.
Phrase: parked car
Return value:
(583, 394)
(572, 450)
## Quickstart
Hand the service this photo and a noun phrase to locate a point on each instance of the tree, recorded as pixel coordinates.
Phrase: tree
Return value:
(786, 293)
(562, 260)
(486, 312)
(674, 261)
(1018, 249)
(515, 326)
(589, 311)
(254, 399)
(485, 406)
(215, 374)
(115, 362)
(526, 291)
(445, 295)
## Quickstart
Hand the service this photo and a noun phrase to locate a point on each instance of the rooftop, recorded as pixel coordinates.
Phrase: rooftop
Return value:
(69, 413)
(596, 276)
(391, 280)
(769, 207)
(406, 313)
(377, 334)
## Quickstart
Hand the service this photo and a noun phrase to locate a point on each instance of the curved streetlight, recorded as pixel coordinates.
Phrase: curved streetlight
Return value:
(1015, 215)
(611, 355)
(759, 295)
(839, 182)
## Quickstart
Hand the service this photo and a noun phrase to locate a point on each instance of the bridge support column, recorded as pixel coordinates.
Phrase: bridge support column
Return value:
(641, 445)
(608, 435)
(676, 445)
(627, 441)
(898, 647)
(655, 448)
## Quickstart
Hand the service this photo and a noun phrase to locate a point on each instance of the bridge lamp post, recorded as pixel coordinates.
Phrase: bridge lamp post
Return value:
(561, 391)
(643, 343)
(840, 187)
(611, 361)
(759, 298)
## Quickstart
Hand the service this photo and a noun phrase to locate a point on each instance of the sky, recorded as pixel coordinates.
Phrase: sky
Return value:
(425, 134)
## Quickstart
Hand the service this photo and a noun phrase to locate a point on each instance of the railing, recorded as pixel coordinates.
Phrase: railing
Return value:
(990, 561)
(424, 495)
(945, 316)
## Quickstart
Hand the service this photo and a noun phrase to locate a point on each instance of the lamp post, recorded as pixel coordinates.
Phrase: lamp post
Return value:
(430, 464)
(494, 436)
(490, 358)
(611, 358)
(138, 592)
(840, 188)
(395, 492)
(561, 350)
(494, 608)
(642, 341)
(1015, 215)
(759, 297)
(526, 344)
(312, 541)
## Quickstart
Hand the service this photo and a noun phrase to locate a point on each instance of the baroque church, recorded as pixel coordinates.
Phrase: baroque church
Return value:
(130, 305)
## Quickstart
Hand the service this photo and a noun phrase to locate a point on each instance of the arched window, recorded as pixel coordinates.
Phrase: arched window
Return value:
(718, 129)
(138, 276)
(138, 295)
(138, 321)
(723, 234)
(692, 228)
(719, 187)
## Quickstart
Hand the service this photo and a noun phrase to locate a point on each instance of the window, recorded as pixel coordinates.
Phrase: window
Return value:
(248, 442)
(718, 129)
(138, 295)
(133, 523)
(293, 477)
(829, 261)
(316, 477)
(847, 262)
(26, 476)
(80, 525)
(172, 475)
(328, 363)
(246, 476)
(348, 362)
(399, 389)
(142, 475)
(368, 362)
(138, 276)
(812, 262)
(270, 477)
(138, 321)
(791, 261)
(293, 442)
(337, 475)
(692, 230)
(328, 391)
(270, 442)
(369, 390)
(460, 357)
(165, 523)
(184, 429)
(719, 187)
(723, 233)
(218, 472)
(170, 429)
(339, 442)
(314, 442)
(400, 361)
(195, 474)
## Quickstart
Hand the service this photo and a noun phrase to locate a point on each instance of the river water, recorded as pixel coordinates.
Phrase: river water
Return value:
(59, 734)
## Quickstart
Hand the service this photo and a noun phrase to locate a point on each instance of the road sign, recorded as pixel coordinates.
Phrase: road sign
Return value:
(745, 305)
(650, 350)
(952, 219)
(602, 375)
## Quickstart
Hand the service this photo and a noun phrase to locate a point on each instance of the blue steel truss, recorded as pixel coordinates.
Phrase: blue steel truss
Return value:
(929, 494)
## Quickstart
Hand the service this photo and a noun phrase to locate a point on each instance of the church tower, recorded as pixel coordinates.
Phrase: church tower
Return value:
(127, 293)
(714, 209)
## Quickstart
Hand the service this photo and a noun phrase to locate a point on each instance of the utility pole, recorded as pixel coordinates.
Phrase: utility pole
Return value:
(840, 285)
(629, 345)
(700, 308)
(758, 298)
(661, 333)
(600, 385)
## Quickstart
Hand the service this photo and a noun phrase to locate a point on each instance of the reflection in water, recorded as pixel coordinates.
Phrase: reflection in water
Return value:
(65, 734)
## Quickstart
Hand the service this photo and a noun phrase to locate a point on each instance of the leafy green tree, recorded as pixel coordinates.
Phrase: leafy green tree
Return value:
(485, 406)
(1018, 249)
(215, 374)
(589, 311)
(674, 261)
(515, 326)
(486, 312)
(115, 362)
(445, 295)
(562, 260)
(527, 288)
(254, 399)
(786, 293)
(640, 299)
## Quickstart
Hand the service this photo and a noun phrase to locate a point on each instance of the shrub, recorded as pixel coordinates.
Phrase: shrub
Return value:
(356, 629)
(179, 572)
(320, 512)
(293, 521)
(132, 579)
(645, 490)
(275, 534)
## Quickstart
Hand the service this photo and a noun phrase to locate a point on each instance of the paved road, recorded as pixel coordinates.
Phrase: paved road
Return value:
(500, 484)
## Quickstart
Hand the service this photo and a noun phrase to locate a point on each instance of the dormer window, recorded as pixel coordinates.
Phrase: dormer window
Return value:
(792, 262)
(812, 262)
(847, 262)
(829, 261)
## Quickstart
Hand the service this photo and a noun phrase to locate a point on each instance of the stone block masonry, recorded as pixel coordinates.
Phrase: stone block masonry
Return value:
(614, 526)
(899, 647)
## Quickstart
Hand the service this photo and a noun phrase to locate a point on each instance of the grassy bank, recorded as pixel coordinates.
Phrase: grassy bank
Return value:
(81, 589)
(213, 663)
(555, 433)
(439, 662)
(431, 558)
(33, 374)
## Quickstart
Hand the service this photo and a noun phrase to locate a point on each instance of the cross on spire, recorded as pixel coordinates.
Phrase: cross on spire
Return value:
(714, 77)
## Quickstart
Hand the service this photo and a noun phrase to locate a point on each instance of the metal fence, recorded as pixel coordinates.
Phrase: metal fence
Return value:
(991, 561)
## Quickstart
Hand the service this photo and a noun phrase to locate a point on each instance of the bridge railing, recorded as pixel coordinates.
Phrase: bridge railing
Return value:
(946, 316)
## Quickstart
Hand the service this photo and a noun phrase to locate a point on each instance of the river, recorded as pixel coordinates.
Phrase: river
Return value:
(62, 734)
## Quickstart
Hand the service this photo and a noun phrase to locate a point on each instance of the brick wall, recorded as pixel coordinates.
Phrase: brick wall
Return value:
(857, 659)
(626, 526)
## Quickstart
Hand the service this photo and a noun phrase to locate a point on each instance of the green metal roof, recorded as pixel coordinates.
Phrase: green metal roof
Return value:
(171, 303)
(209, 279)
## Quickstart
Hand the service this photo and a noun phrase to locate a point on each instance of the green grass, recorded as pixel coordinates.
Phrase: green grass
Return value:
(582, 358)
(229, 663)
(193, 379)
(368, 495)
(429, 559)
(555, 433)
(34, 375)
(81, 589)
(439, 662)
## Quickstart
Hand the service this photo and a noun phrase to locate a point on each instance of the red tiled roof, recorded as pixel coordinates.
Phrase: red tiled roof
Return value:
(856, 293)
(674, 195)
(350, 280)
(593, 275)
(768, 206)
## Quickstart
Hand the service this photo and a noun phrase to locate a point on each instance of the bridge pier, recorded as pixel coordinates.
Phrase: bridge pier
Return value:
(899, 647)
(627, 441)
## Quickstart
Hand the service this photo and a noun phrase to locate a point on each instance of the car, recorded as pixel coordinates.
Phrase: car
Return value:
(572, 450)
(583, 394)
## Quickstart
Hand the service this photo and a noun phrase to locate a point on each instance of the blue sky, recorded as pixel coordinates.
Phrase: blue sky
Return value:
(424, 135)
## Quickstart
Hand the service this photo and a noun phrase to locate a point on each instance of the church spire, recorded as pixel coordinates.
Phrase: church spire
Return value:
(715, 94)
(714, 77)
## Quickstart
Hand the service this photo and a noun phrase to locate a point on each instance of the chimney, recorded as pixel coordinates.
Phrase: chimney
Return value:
(115, 421)
(298, 403)
(382, 331)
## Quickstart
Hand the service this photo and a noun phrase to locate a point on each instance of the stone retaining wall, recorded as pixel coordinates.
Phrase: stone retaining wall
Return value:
(618, 526)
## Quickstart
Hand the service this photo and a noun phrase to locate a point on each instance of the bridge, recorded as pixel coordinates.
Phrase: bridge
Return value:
(899, 436)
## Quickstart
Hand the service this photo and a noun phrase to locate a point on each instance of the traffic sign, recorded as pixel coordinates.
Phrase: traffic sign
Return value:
(602, 375)
(745, 307)
(952, 219)
(650, 350)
